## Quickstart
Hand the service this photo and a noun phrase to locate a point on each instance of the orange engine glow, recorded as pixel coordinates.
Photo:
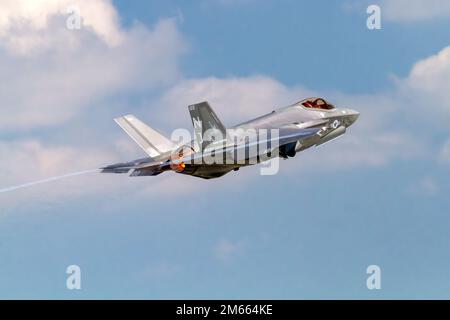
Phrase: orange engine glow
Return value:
(178, 167)
(176, 158)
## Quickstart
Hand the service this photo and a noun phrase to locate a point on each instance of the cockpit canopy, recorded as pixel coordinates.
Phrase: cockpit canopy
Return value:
(315, 103)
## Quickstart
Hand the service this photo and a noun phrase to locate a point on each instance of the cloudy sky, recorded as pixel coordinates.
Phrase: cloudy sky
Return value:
(377, 196)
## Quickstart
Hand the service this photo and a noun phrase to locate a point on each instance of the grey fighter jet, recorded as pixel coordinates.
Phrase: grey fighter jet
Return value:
(216, 150)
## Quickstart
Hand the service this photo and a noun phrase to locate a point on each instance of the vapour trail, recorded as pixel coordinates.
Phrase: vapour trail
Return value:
(30, 184)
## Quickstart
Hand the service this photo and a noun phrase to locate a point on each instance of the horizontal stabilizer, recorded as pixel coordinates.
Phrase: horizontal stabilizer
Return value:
(140, 167)
(151, 141)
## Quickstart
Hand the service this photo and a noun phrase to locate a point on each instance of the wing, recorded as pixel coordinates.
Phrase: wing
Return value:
(284, 137)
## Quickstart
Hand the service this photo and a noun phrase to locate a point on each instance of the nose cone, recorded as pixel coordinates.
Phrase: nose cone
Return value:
(352, 116)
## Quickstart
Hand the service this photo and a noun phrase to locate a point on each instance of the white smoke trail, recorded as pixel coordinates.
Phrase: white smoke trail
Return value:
(30, 184)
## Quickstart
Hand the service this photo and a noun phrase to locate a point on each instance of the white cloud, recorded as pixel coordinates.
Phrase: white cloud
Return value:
(30, 160)
(49, 89)
(429, 83)
(51, 75)
(24, 24)
(415, 10)
(235, 99)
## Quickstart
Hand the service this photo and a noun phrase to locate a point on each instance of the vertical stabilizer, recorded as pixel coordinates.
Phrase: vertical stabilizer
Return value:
(207, 125)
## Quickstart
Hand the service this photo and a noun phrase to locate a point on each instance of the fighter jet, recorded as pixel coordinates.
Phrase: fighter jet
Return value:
(216, 150)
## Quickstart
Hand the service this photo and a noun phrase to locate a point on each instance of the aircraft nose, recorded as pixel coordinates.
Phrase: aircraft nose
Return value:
(352, 116)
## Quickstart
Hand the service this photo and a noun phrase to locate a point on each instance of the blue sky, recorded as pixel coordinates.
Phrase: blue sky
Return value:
(375, 196)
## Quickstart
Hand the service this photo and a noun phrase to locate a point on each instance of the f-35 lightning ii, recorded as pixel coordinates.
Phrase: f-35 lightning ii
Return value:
(216, 150)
